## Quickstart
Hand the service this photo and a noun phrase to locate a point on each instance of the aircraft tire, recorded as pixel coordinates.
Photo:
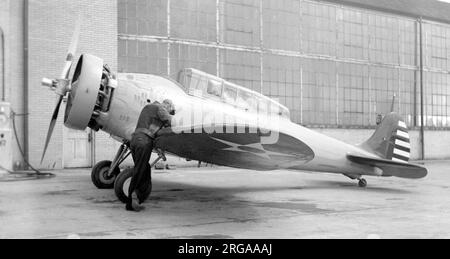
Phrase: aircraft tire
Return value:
(362, 183)
(99, 175)
(122, 184)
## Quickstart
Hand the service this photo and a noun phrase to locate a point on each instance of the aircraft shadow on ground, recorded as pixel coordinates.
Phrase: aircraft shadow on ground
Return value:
(163, 187)
(241, 204)
(336, 185)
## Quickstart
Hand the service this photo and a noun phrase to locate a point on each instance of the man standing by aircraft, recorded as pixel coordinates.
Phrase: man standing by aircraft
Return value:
(152, 119)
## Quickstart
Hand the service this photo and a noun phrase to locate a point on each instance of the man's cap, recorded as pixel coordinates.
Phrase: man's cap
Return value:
(169, 105)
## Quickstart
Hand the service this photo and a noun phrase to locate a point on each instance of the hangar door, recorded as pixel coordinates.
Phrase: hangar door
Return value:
(77, 148)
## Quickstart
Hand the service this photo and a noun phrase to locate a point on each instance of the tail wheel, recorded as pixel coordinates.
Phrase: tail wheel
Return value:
(362, 183)
(122, 185)
(99, 175)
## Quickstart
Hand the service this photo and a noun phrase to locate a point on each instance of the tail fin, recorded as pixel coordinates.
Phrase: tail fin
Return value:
(390, 140)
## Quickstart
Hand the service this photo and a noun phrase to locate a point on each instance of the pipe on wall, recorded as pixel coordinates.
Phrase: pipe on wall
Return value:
(2, 41)
(422, 120)
(25, 78)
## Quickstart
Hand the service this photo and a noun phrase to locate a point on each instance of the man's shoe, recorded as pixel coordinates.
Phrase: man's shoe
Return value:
(140, 197)
(135, 202)
(129, 207)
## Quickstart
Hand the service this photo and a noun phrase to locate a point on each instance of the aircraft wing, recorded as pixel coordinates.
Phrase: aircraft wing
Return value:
(391, 168)
(244, 150)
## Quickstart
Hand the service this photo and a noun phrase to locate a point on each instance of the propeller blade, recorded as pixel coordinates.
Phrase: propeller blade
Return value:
(71, 51)
(52, 126)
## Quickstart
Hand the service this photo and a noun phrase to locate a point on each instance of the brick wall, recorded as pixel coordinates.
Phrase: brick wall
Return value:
(11, 20)
(51, 25)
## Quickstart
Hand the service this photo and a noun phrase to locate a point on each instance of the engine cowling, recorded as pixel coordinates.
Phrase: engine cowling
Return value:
(82, 97)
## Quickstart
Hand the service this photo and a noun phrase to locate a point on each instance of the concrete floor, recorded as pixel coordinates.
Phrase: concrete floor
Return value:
(228, 203)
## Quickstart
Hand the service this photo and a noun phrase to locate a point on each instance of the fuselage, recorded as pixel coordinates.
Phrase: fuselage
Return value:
(203, 116)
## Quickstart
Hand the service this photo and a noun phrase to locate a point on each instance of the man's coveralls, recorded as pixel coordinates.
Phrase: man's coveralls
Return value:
(153, 118)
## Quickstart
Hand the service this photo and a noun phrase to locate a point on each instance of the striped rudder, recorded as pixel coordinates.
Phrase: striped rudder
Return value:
(390, 140)
(401, 144)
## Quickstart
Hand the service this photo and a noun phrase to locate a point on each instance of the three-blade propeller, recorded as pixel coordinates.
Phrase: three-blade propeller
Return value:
(61, 85)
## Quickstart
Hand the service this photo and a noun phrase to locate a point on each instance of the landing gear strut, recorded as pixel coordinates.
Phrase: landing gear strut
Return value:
(124, 179)
(104, 173)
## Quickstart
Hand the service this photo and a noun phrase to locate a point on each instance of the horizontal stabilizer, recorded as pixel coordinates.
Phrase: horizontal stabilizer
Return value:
(392, 168)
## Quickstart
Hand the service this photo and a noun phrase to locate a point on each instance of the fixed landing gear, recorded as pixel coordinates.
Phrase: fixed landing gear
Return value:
(107, 175)
(122, 185)
(361, 181)
(123, 181)
(101, 177)
(104, 173)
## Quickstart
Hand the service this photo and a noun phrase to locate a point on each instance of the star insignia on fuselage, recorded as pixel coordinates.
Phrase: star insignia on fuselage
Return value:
(255, 149)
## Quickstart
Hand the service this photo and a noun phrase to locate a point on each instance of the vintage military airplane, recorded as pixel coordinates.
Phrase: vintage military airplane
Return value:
(216, 122)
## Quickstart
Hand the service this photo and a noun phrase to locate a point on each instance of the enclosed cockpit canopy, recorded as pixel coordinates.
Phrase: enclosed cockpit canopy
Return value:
(203, 85)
